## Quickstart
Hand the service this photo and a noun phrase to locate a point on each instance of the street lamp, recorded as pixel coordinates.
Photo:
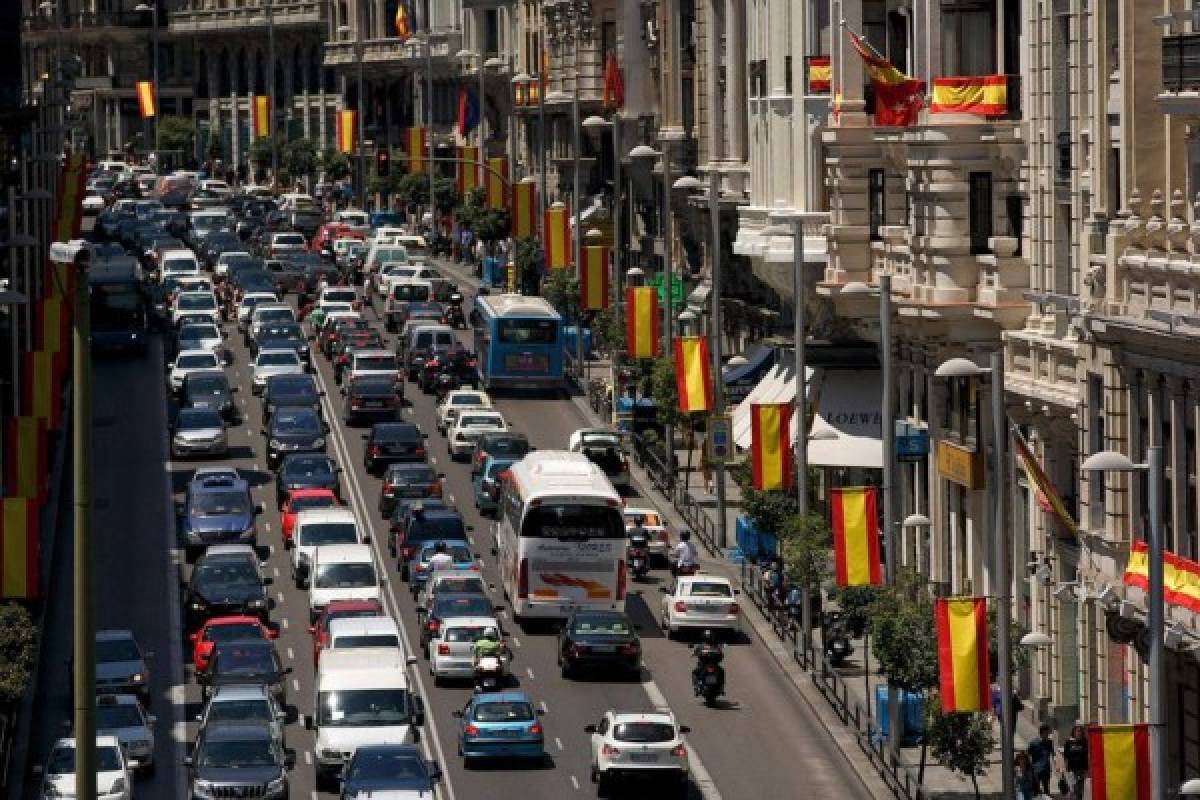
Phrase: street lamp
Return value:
(595, 127)
(1112, 461)
(965, 368)
(344, 30)
(151, 9)
(1035, 639)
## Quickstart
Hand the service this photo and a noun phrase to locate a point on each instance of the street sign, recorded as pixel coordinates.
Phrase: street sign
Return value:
(720, 437)
(676, 289)
(912, 442)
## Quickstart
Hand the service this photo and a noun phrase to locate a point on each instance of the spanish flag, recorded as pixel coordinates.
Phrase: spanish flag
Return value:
(898, 98)
(19, 548)
(855, 536)
(819, 75)
(41, 386)
(1119, 761)
(416, 146)
(693, 378)
(524, 210)
(466, 169)
(613, 94)
(346, 130)
(771, 445)
(403, 26)
(25, 459)
(593, 279)
(557, 230)
(641, 322)
(981, 94)
(145, 96)
(962, 638)
(1181, 577)
(262, 116)
(494, 182)
(51, 324)
(68, 212)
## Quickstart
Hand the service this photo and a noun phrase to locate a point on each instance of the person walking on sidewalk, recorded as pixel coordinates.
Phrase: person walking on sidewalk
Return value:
(1075, 760)
(1041, 757)
(1023, 778)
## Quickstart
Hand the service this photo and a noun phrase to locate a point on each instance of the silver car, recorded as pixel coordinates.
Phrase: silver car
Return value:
(122, 716)
(120, 665)
(244, 702)
(275, 362)
(198, 432)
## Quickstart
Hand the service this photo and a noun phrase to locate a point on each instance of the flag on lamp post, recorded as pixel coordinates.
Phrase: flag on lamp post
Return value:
(641, 322)
(494, 181)
(346, 130)
(19, 575)
(693, 378)
(468, 111)
(771, 446)
(557, 246)
(855, 536)
(962, 642)
(145, 97)
(262, 116)
(524, 210)
(614, 84)
(415, 146)
(593, 279)
(466, 168)
(1119, 761)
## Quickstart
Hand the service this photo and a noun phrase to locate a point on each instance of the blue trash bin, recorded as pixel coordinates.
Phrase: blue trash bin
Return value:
(747, 538)
(493, 272)
(912, 706)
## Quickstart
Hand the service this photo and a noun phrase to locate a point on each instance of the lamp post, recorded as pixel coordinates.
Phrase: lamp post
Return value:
(595, 127)
(1112, 461)
(344, 30)
(152, 9)
(267, 8)
(965, 368)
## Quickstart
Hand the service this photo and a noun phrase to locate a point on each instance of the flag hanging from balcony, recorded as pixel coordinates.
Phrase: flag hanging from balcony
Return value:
(980, 94)
(468, 111)
(495, 180)
(962, 642)
(346, 130)
(262, 116)
(524, 210)
(1048, 498)
(1119, 761)
(593, 279)
(898, 98)
(693, 378)
(614, 84)
(641, 322)
(466, 169)
(41, 386)
(771, 446)
(19, 548)
(855, 536)
(25, 460)
(414, 145)
(145, 97)
(403, 21)
(1181, 577)
(820, 74)
(557, 230)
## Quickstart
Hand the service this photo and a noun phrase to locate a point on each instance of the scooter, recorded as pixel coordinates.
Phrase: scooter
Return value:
(837, 642)
(454, 313)
(639, 557)
(489, 674)
(708, 678)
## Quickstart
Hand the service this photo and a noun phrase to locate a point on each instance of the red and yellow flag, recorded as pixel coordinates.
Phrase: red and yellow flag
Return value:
(979, 94)
(494, 182)
(524, 210)
(693, 377)
(19, 548)
(593, 278)
(262, 116)
(771, 446)
(68, 211)
(25, 459)
(855, 536)
(466, 169)
(962, 637)
(401, 22)
(416, 147)
(557, 227)
(820, 74)
(41, 386)
(52, 326)
(1181, 577)
(641, 322)
(347, 131)
(145, 97)
(1119, 761)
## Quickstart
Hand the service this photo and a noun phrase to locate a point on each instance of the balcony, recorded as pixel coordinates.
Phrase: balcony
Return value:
(89, 26)
(1180, 74)
(393, 55)
(250, 18)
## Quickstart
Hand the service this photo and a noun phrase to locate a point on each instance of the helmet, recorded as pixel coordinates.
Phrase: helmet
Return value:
(440, 547)
(708, 637)
(639, 520)
(684, 535)
(492, 634)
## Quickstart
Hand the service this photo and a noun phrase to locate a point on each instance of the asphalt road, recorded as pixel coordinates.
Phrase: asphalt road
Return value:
(763, 742)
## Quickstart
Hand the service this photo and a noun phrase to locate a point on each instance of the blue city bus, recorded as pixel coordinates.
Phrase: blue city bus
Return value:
(518, 342)
(120, 322)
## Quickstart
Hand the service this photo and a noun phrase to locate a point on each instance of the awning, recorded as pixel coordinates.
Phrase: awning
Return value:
(777, 386)
(741, 378)
(848, 405)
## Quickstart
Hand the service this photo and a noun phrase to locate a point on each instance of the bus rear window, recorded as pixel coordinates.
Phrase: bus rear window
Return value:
(527, 331)
(550, 521)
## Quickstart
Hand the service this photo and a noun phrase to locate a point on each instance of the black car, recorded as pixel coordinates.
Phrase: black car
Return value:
(281, 336)
(423, 522)
(210, 389)
(224, 584)
(602, 639)
(239, 759)
(293, 429)
(246, 661)
(392, 442)
(391, 770)
(290, 390)
(370, 398)
(447, 605)
(412, 480)
(502, 445)
(289, 275)
(254, 279)
(217, 243)
(306, 471)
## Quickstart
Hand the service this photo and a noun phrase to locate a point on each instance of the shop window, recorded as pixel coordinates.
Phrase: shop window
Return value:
(960, 419)
(968, 37)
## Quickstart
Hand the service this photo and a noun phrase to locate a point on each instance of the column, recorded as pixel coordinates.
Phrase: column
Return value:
(322, 117)
(849, 67)
(1175, 454)
(735, 80)
(672, 89)
(285, 99)
(306, 113)
(712, 75)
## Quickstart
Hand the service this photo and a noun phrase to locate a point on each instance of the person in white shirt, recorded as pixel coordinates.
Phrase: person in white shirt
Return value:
(686, 557)
(440, 558)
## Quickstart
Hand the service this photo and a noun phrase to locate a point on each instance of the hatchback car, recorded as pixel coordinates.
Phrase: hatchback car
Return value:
(225, 584)
(627, 745)
(297, 500)
(655, 526)
(418, 566)
(469, 426)
(450, 646)
(601, 639)
(195, 303)
(506, 445)
(603, 448)
(225, 629)
(282, 336)
(700, 601)
(113, 778)
(122, 716)
(454, 402)
(500, 725)
(217, 509)
(392, 443)
(188, 361)
(419, 523)
(319, 528)
(201, 336)
(244, 702)
(121, 665)
(290, 390)
(486, 483)
(293, 430)
(274, 362)
(198, 432)
(246, 661)
(453, 605)
(408, 480)
(390, 771)
(340, 609)
(370, 398)
(306, 471)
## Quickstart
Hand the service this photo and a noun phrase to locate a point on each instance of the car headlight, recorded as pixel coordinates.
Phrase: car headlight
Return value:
(179, 438)
(118, 786)
(198, 605)
(257, 602)
(274, 444)
(138, 677)
(202, 788)
(319, 441)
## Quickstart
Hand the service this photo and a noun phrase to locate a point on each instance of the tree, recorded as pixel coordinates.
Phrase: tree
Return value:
(855, 603)
(299, 158)
(335, 164)
(804, 544)
(561, 290)
(960, 742)
(769, 511)
(413, 190)
(260, 151)
(664, 392)
(176, 133)
(18, 638)
(904, 634)
(445, 194)
(529, 260)
(609, 333)
(488, 224)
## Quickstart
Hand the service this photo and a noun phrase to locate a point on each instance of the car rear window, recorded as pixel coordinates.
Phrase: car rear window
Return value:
(644, 732)
(367, 640)
(709, 589)
(465, 634)
(504, 712)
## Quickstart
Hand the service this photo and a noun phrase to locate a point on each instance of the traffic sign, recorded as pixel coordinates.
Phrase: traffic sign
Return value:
(676, 288)
(720, 437)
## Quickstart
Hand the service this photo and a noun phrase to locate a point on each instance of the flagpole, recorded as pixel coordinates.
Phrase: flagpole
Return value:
(1003, 589)
(429, 124)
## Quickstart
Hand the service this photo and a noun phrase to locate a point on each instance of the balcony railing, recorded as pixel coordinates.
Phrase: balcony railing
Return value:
(87, 20)
(1181, 62)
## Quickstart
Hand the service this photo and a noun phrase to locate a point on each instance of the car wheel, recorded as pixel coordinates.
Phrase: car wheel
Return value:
(603, 785)
(564, 669)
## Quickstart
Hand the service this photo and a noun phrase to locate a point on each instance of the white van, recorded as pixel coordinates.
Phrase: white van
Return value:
(362, 697)
(178, 262)
(319, 527)
(399, 295)
(341, 572)
(350, 633)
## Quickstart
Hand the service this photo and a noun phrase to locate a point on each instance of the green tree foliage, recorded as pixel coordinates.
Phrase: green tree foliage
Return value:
(609, 332)
(561, 290)
(335, 164)
(445, 194)
(18, 639)
(769, 511)
(804, 543)
(175, 133)
(260, 151)
(413, 190)
(855, 603)
(529, 260)
(299, 158)
(489, 224)
(960, 742)
(664, 392)
(904, 635)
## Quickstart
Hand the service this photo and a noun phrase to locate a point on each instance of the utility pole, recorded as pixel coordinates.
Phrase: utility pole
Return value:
(271, 91)
(84, 677)
(577, 200)
(714, 216)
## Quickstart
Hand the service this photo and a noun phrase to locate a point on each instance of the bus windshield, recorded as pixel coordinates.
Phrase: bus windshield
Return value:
(561, 521)
(526, 331)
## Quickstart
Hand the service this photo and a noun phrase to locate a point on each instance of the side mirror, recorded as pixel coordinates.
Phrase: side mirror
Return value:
(263, 430)
(541, 712)
(287, 670)
(366, 436)
(684, 729)
(268, 580)
(589, 728)
(366, 538)
(258, 508)
(418, 711)
(664, 590)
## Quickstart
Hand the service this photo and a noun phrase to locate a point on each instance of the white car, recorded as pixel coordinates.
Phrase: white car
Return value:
(655, 526)
(201, 336)
(189, 361)
(177, 262)
(248, 303)
(338, 294)
(283, 243)
(451, 649)
(223, 260)
(341, 572)
(122, 716)
(701, 601)
(113, 778)
(456, 401)
(274, 362)
(468, 427)
(195, 303)
(268, 314)
(315, 528)
(93, 202)
(219, 188)
(637, 744)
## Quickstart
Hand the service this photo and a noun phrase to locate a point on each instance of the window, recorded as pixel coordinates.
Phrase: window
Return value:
(1015, 210)
(876, 201)
(491, 33)
(979, 211)
(1095, 439)
(968, 37)
(787, 74)
(960, 419)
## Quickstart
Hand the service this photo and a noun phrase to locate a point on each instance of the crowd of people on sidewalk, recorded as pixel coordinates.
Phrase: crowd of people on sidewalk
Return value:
(1043, 769)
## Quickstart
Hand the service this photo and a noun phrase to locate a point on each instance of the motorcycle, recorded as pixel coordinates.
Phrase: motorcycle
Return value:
(639, 556)
(708, 678)
(489, 674)
(454, 313)
(837, 641)
(445, 384)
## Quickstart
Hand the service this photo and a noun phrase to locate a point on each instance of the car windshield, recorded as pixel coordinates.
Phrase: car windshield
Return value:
(709, 589)
(375, 363)
(449, 526)
(600, 440)
(214, 503)
(461, 584)
(113, 650)
(278, 359)
(345, 576)
(363, 707)
(507, 446)
(234, 658)
(415, 476)
(198, 418)
(604, 626)
(644, 732)
(471, 633)
(207, 384)
(247, 710)
(290, 239)
(197, 332)
(467, 605)
(390, 769)
(118, 716)
(527, 331)
(571, 521)
(196, 361)
(307, 466)
(238, 753)
(367, 640)
(225, 572)
(468, 400)
(342, 295)
(312, 502)
(496, 467)
(232, 632)
(319, 533)
(460, 553)
(62, 760)
(478, 420)
(504, 712)
(196, 302)
(298, 421)
(265, 315)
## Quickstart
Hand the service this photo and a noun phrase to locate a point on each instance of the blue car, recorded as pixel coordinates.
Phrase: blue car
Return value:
(418, 566)
(485, 483)
(217, 509)
(389, 770)
(500, 725)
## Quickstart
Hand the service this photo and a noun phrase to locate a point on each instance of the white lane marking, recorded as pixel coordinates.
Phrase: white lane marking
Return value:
(295, 685)
(433, 459)
(257, 468)
(516, 642)
(542, 705)
(283, 623)
(529, 671)
(276, 571)
(279, 596)
(558, 743)
(267, 527)
(308, 759)
(575, 782)
(704, 782)
(291, 655)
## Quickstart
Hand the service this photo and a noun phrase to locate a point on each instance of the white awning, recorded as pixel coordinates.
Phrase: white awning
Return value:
(777, 386)
(848, 406)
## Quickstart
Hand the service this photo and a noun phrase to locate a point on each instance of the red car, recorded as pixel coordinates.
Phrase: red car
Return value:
(303, 500)
(340, 609)
(225, 629)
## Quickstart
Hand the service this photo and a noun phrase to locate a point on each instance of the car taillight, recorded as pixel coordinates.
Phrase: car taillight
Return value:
(680, 751)
(535, 729)
(578, 649)
(630, 649)
(435, 490)
(420, 451)
(422, 568)
(433, 625)
(680, 607)
(523, 580)
(406, 553)
(387, 487)
(443, 649)
(621, 579)
(375, 450)
(609, 750)
(356, 403)
(733, 608)
(470, 730)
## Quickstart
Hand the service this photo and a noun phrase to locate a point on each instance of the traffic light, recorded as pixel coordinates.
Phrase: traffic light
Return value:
(383, 164)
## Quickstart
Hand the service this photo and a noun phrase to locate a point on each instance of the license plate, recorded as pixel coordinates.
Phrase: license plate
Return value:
(604, 648)
(373, 404)
(643, 758)
(711, 680)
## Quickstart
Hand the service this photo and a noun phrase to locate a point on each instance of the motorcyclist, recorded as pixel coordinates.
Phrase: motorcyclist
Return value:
(686, 556)
(488, 646)
(441, 558)
(707, 652)
(639, 540)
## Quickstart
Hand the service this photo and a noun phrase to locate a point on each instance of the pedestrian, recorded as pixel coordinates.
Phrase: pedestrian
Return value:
(794, 602)
(1075, 760)
(1041, 757)
(1023, 778)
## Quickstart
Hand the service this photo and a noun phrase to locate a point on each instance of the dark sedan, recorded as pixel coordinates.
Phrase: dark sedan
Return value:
(246, 661)
(282, 336)
(391, 770)
(306, 471)
(370, 398)
(290, 390)
(222, 585)
(293, 430)
(392, 443)
(602, 639)
(413, 480)
(210, 389)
